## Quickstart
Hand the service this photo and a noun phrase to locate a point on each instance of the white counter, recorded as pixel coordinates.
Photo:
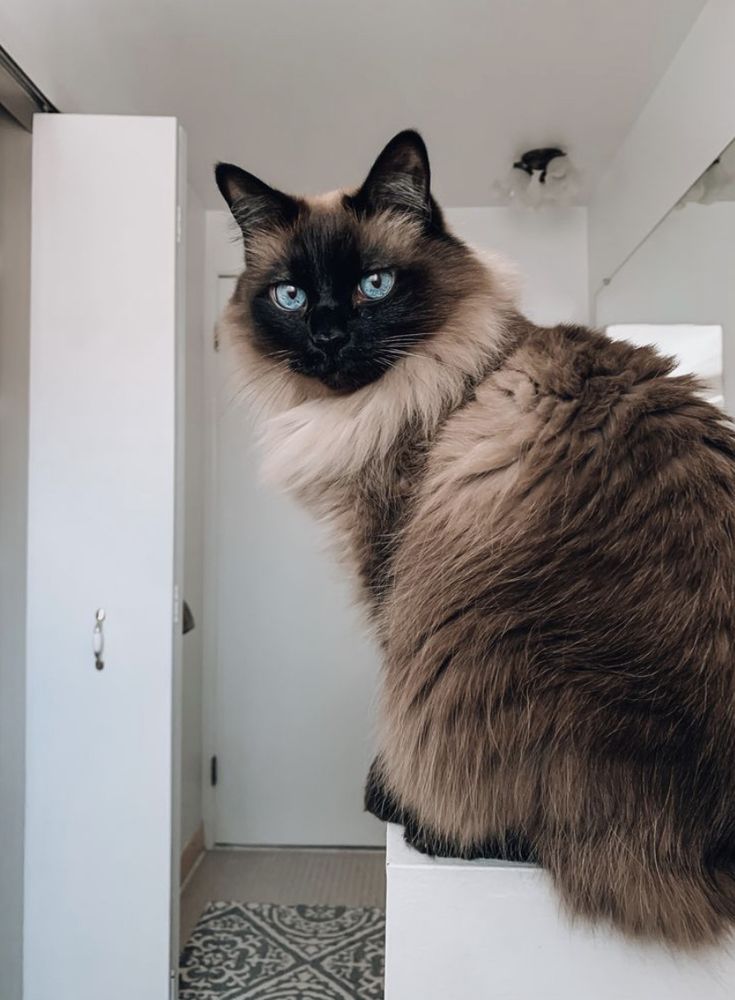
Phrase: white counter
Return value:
(493, 930)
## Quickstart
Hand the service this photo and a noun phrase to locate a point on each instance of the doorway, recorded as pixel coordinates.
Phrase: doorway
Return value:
(294, 676)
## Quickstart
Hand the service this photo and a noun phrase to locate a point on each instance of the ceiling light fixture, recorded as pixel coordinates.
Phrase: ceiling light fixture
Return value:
(540, 177)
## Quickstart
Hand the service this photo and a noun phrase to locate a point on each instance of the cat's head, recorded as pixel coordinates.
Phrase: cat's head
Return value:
(340, 288)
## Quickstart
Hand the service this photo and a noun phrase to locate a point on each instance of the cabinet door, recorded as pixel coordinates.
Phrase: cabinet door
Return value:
(102, 536)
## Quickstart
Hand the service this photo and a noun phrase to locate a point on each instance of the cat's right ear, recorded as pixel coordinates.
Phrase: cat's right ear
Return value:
(254, 205)
(400, 178)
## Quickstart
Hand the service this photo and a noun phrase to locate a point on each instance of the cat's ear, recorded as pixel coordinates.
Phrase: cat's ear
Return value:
(252, 202)
(400, 177)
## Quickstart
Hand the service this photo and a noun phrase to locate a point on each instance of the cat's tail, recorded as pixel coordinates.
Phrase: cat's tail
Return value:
(685, 905)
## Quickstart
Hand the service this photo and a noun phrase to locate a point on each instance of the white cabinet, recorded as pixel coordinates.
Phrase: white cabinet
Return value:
(102, 534)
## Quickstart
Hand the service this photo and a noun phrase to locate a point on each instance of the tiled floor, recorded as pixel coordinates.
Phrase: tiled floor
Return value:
(273, 875)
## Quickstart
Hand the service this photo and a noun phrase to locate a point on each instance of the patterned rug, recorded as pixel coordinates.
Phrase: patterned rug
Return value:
(260, 951)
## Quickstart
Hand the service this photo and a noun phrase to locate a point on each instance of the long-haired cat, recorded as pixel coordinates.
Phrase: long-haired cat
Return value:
(542, 524)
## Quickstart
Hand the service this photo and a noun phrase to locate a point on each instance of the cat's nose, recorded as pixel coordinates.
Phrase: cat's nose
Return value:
(327, 333)
(330, 339)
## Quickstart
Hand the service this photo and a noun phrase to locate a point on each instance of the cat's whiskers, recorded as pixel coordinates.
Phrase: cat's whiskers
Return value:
(403, 353)
(269, 379)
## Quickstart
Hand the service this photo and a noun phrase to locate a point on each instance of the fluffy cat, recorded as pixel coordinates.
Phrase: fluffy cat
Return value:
(542, 525)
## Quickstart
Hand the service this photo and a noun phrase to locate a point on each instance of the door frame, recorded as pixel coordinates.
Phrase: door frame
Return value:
(223, 258)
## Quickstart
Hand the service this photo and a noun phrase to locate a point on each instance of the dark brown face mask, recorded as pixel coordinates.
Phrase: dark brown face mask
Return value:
(340, 289)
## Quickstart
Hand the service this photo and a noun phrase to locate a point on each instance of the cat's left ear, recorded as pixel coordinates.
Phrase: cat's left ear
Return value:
(254, 204)
(400, 177)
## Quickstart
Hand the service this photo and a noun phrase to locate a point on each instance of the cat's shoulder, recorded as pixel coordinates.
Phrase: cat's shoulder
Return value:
(592, 382)
(569, 360)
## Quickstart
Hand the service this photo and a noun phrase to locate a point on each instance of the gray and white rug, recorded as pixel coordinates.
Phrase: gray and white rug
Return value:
(261, 951)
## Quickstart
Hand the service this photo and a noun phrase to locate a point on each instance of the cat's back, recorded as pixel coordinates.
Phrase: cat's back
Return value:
(580, 465)
(570, 404)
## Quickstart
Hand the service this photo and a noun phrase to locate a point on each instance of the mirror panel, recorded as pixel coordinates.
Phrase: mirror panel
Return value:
(677, 290)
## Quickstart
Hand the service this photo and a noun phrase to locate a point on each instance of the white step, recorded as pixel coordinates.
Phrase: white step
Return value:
(493, 930)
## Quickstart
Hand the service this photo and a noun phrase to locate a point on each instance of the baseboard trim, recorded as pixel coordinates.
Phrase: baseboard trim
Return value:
(191, 852)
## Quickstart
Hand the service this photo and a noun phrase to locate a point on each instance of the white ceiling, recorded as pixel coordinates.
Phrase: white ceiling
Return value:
(305, 92)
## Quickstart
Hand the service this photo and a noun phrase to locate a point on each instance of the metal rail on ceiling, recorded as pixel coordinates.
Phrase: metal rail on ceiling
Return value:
(19, 95)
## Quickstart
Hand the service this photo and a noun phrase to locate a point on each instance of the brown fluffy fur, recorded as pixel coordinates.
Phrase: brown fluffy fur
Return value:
(542, 522)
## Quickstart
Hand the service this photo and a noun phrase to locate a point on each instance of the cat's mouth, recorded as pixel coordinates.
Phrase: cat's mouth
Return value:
(343, 373)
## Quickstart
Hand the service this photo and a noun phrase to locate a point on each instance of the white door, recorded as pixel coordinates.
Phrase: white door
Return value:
(102, 528)
(291, 721)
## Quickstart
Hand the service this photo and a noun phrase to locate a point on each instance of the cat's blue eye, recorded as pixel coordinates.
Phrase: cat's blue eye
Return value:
(377, 284)
(288, 296)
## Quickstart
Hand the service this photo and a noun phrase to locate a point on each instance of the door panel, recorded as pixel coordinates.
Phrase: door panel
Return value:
(296, 671)
(102, 477)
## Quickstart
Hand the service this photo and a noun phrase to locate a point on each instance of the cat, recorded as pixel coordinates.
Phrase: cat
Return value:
(541, 524)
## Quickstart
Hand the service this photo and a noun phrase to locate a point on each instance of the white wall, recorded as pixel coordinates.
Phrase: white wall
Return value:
(683, 273)
(549, 247)
(15, 232)
(191, 686)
